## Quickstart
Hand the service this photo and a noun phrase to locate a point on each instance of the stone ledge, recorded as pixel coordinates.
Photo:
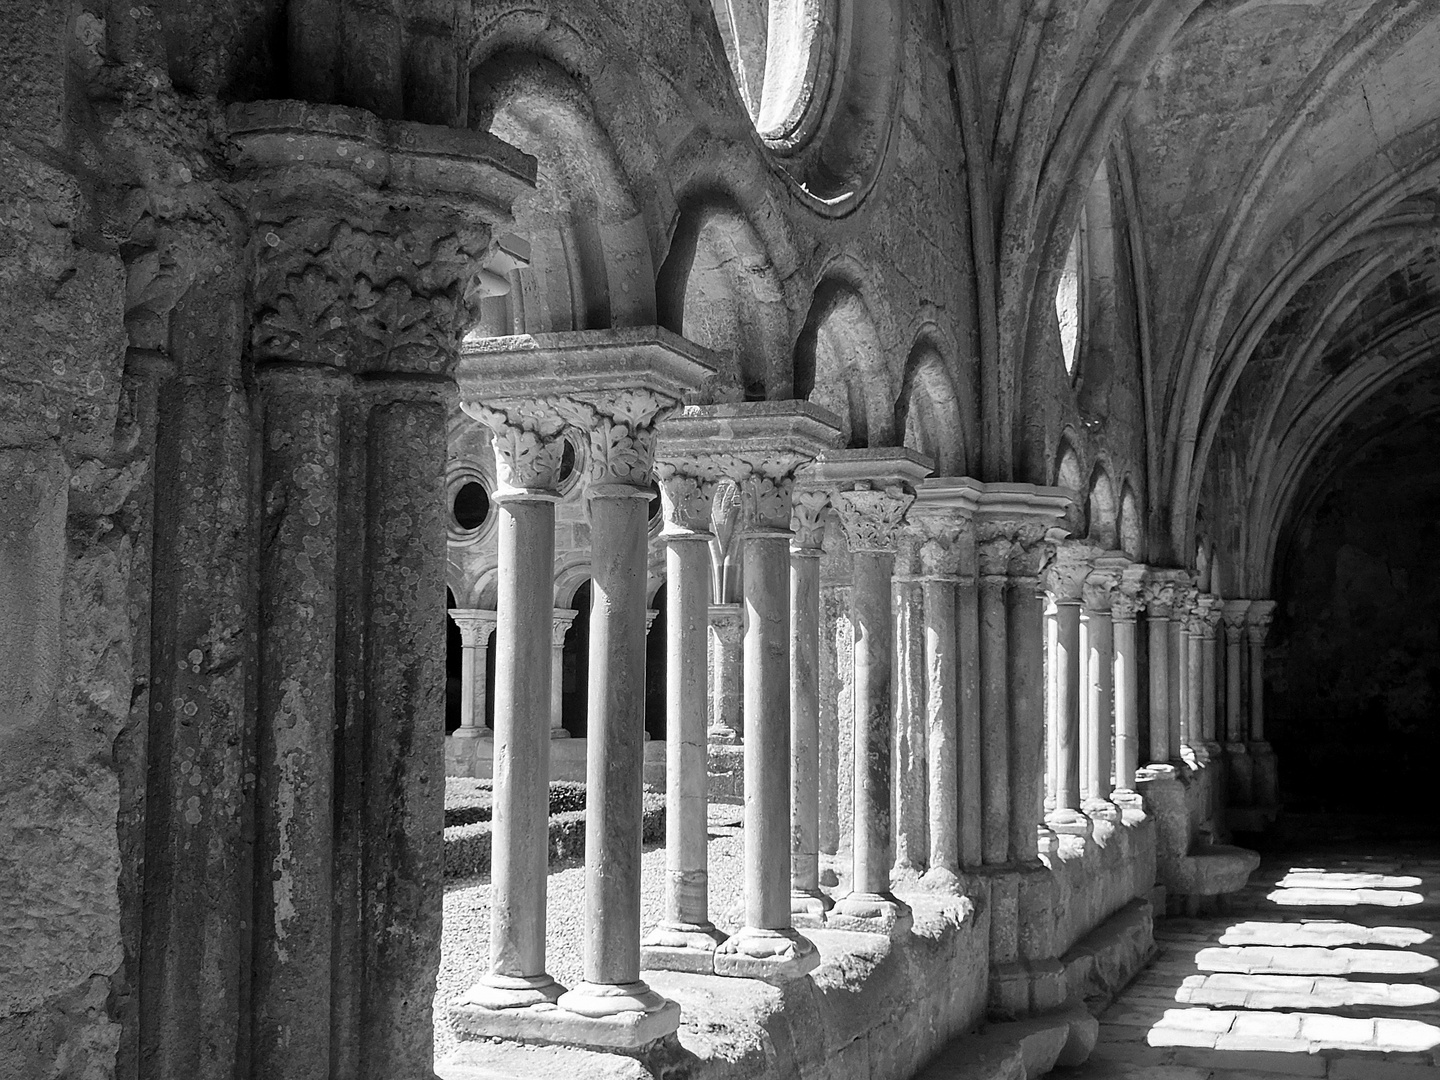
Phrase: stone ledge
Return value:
(1105, 961)
(1018, 1050)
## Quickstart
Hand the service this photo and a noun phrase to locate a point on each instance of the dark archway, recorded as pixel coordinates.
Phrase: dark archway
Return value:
(575, 670)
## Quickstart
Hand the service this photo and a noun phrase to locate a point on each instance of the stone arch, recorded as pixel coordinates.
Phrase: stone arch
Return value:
(1103, 509)
(840, 365)
(589, 256)
(929, 415)
(1069, 474)
(719, 288)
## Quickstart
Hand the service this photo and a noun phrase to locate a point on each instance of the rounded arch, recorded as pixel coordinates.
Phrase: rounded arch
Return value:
(840, 364)
(719, 288)
(929, 414)
(589, 255)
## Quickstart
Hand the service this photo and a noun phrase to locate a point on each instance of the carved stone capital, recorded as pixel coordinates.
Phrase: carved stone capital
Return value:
(1068, 572)
(1125, 606)
(727, 623)
(561, 621)
(872, 518)
(993, 556)
(942, 552)
(621, 429)
(1257, 620)
(528, 441)
(687, 497)
(1234, 615)
(809, 511)
(1208, 615)
(475, 626)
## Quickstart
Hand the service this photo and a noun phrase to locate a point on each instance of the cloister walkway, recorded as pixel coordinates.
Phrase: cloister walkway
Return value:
(1327, 965)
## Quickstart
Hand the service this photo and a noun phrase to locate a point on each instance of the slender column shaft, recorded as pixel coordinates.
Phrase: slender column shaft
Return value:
(1158, 627)
(298, 628)
(475, 629)
(870, 616)
(967, 626)
(1027, 716)
(1195, 692)
(1179, 684)
(1234, 687)
(767, 731)
(833, 682)
(1100, 687)
(1127, 698)
(805, 720)
(1208, 676)
(1051, 725)
(1067, 706)
(942, 678)
(559, 626)
(910, 780)
(1257, 688)
(726, 665)
(520, 835)
(1085, 744)
(619, 520)
(687, 560)
(995, 712)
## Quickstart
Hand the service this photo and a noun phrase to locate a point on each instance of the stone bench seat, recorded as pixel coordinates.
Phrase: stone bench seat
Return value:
(1208, 870)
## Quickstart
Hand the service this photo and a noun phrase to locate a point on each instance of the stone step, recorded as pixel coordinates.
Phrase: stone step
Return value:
(1019, 1050)
(1137, 1061)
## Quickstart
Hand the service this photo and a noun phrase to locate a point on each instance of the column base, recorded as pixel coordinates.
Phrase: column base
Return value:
(870, 913)
(1160, 770)
(723, 735)
(599, 1000)
(772, 955)
(1047, 843)
(681, 947)
(1104, 818)
(941, 879)
(559, 733)
(1073, 830)
(472, 733)
(829, 878)
(808, 908)
(628, 1029)
(1130, 804)
(496, 992)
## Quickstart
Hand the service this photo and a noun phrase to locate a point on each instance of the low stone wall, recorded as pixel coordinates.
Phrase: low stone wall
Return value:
(476, 757)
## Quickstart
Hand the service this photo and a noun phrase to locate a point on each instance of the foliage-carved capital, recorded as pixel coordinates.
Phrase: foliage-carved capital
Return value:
(872, 518)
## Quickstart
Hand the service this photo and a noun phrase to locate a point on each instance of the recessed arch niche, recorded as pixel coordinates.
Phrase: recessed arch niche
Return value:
(930, 414)
(1102, 509)
(840, 365)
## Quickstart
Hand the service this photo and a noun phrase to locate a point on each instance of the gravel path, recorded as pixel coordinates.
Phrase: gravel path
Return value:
(465, 945)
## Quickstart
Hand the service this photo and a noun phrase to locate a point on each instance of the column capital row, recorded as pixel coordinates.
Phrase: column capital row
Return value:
(475, 625)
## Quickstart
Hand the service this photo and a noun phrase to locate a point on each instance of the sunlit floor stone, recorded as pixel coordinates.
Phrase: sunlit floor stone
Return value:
(1280, 988)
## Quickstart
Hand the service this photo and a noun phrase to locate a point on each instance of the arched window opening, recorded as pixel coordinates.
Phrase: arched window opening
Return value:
(782, 55)
(1067, 304)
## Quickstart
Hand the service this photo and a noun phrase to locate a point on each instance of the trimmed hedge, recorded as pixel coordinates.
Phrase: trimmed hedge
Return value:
(468, 800)
(467, 844)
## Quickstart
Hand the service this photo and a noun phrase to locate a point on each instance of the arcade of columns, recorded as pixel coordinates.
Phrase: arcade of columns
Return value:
(958, 708)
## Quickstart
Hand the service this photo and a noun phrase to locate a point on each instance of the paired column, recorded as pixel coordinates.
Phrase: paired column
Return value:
(1257, 629)
(560, 622)
(911, 761)
(1207, 619)
(475, 625)
(1125, 604)
(1098, 703)
(1064, 582)
(685, 939)
(528, 446)
(1159, 596)
(837, 701)
(872, 512)
(1237, 754)
(993, 555)
(940, 566)
(808, 903)
(1180, 677)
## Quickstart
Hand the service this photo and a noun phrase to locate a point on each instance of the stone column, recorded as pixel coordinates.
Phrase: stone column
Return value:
(476, 626)
(1064, 581)
(910, 763)
(872, 511)
(994, 561)
(361, 276)
(1237, 754)
(759, 446)
(1257, 628)
(837, 702)
(1098, 702)
(808, 903)
(1124, 606)
(1180, 680)
(653, 368)
(942, 518)
(685, 939)
(1207, 620)
(1159, 595)
(727, 637)
(527, 443)
(560, 622)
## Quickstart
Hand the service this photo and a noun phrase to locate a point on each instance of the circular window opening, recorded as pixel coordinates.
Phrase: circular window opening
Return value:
(1067, 306)
(567, 463)
(472, 506)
